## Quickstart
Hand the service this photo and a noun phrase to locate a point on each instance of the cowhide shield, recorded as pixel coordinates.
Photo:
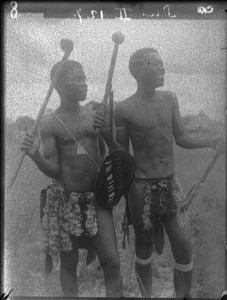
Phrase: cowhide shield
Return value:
(114, 178)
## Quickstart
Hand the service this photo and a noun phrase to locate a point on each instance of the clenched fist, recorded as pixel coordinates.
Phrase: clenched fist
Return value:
(30, 144)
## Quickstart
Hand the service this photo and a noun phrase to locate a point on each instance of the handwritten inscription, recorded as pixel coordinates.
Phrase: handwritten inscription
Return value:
(205, 10)
(166, 9)
(14, 12)
(122, 14)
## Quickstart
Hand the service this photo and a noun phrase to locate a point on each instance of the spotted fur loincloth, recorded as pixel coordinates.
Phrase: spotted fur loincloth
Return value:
(64, 215)
(161, 200)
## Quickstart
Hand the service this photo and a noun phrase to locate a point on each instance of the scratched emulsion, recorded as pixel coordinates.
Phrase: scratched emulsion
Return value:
(195, 72)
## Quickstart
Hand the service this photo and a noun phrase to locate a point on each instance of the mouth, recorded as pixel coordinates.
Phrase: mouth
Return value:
(84, 92)
(161, 77)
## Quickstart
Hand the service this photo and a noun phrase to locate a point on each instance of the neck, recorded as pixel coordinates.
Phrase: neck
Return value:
(145, 92)
(69, 106)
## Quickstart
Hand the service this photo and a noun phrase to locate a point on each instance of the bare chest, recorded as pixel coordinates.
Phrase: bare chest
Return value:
(151, 116)
(71, 130)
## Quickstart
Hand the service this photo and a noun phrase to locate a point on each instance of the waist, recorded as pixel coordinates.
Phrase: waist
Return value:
(78, 180)
(79, 187)
(154, 180)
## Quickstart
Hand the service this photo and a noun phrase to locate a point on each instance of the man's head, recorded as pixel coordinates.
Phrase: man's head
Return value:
(146, 66)
(71, 83)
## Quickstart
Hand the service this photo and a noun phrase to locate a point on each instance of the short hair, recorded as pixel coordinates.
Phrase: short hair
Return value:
(137, 60)
(66, 65)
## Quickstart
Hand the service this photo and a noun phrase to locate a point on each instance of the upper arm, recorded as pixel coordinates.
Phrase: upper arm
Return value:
(177, 121)
(122, 135)
(49, 142)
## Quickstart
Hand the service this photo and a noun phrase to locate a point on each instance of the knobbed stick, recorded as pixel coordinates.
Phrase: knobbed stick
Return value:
(118, 38)
(67, 46)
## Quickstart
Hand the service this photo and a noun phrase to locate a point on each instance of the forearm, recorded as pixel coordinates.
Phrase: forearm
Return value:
(189, 142)
(48, 167)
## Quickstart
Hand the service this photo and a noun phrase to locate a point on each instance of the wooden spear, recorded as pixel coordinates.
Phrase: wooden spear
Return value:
(67, 46)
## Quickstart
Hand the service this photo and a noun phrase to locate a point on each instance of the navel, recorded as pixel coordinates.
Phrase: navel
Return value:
(161, 159)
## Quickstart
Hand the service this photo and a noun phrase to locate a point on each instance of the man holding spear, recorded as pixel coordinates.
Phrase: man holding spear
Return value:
(151, 119)
(72, 156)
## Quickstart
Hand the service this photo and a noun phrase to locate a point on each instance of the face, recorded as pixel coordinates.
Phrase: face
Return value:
(153, 71)
(74, 83)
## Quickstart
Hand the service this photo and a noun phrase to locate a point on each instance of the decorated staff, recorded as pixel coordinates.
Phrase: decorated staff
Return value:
(66, 46)
(118, 38)
(116, 172)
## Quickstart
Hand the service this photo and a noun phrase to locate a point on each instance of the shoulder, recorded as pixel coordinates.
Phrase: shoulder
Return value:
(124, 106)
(168, 97)
(48, 124)
(124, 111)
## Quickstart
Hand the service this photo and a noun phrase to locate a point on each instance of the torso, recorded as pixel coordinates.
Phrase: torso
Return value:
(149, 126)
(78, 172)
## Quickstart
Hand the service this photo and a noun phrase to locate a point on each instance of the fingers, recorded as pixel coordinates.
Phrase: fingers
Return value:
(220, 146)
(28, 142)
(99, 121)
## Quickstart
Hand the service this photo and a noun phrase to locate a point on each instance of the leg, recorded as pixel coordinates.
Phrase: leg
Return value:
(143, 239)
(182, 252)
(105, 245)
(68, 271)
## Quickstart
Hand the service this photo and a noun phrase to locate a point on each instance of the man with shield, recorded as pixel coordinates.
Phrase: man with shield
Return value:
(151, 119)
(72, 155)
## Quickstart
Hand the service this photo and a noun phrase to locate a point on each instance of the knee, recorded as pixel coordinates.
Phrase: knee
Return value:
(183, 251)
(68, 263)
(144, 244)
(111, 263)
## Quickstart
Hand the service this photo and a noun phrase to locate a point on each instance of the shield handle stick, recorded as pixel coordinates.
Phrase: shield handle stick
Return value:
(67, 46)
(195, 189)
(118, 38)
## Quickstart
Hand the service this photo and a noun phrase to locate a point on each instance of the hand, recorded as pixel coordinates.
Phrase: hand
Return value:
(100, 123)
(218, 144)
(30, 144)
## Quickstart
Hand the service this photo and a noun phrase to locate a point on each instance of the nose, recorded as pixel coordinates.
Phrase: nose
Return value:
(83, 86)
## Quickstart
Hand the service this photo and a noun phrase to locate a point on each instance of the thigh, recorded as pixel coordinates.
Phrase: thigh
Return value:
(136, 204)
(143, 237)
(70, 259)
(105, 243)
(180, 243)
(173, 229)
